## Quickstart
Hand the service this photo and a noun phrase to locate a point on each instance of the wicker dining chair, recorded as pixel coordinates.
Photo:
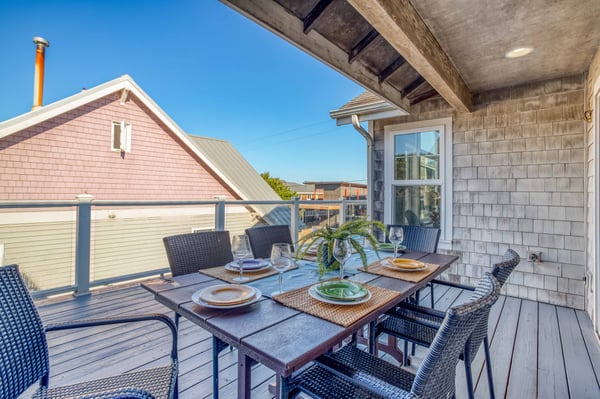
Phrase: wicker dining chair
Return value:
(353, 373)
(190, 252)
(262, 238)
(418, 324)
(421, 239)
(24, 357)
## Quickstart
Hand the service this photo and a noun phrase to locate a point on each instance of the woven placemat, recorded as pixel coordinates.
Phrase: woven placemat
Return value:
(226, 275)
(344, 315)
(414, 277)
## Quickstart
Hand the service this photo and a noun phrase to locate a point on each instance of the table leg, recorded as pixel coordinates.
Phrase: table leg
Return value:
(244, 376)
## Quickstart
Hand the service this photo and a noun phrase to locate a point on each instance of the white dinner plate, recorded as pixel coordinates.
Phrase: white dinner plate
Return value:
(197, 300)
(312, 291)
(388, 264)
(250, 265)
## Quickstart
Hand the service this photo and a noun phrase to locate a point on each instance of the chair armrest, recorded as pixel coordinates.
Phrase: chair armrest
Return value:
(455, 285)
(406, 309)
(68, 325)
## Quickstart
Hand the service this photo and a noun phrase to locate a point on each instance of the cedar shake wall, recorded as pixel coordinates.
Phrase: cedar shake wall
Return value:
(71, 154)
(592, 198)
(518, 167)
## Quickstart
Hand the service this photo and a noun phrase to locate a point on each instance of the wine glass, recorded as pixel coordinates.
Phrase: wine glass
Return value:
(240, 248)
(396, 236)
(281, 260)
(342, 249)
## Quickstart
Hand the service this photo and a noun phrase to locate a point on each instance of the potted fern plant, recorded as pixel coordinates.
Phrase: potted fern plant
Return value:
(323, 239)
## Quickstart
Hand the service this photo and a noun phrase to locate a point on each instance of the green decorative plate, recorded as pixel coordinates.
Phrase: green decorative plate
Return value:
(388, 247)
(341, 290)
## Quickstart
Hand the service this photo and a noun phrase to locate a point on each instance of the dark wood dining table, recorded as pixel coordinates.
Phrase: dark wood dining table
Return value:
(279, 337)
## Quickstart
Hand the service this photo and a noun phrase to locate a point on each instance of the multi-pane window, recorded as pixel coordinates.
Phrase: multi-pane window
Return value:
(418, 175)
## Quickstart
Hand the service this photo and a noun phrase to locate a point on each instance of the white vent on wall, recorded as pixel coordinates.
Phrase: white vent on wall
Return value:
(121, 136)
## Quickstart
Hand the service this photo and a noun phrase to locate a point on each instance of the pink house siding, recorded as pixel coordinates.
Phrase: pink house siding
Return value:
(71, 154)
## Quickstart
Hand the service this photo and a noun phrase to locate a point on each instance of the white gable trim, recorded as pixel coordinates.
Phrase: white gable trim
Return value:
(124, 82)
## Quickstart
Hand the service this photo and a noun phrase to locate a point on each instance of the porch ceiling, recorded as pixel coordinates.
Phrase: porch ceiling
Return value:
(407, 51)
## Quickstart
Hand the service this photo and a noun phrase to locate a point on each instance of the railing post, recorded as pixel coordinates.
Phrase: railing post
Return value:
(342, 210)
(294, 222)
(83, 244)
(220, 213)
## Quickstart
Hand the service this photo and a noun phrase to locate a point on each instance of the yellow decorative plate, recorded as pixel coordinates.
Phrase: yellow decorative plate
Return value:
(405, 265)
(227, 294)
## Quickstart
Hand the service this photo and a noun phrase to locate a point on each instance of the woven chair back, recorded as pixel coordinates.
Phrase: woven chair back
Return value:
(435, 378)
(188, 253)
(23, 347)
(419, 238)
(262, 238)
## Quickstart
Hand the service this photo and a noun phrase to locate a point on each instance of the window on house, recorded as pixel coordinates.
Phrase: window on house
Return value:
(418, 175)
(121, 136)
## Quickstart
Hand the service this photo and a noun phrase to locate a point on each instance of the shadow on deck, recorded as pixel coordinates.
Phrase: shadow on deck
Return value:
(538, 350)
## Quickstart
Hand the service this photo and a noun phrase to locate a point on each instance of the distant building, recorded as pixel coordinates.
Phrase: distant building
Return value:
(334, 190)
(306, 191)
(115, 143)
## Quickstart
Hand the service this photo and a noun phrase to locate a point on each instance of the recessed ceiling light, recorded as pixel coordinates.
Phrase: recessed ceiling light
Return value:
(518, 52)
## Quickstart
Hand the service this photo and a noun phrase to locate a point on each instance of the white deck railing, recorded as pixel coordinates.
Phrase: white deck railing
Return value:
(72, 246)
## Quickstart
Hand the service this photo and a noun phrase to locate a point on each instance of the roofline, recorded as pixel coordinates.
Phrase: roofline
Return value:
(366, 112)
(126, 82)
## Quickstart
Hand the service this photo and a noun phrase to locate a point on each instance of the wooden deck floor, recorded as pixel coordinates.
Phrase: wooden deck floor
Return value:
(538, 350)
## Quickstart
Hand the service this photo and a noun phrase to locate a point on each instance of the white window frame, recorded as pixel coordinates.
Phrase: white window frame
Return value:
(444, 126)
(125, 136)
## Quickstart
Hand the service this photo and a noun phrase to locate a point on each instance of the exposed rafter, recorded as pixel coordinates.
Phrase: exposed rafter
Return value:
(362, 45)
(425, 96)
(400, 24)
(278, 20)
(390, 69)
(413, 85)
(314, 14)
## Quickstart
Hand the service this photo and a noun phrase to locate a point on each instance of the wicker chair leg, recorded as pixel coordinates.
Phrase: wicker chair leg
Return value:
(469, 374)
(406, 359)
(488, 366)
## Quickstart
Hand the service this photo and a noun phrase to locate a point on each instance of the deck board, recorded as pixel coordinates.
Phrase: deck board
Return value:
(578, 366)
(538, 350)
(551, 378)
(523, 370)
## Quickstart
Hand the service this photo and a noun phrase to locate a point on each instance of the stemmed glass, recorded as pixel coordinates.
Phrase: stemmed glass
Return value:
(281, 260)
(342, 249)
(396, 236)
(240, 248)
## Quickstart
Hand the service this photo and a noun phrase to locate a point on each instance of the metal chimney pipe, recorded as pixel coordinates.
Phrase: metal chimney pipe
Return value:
(38, 80)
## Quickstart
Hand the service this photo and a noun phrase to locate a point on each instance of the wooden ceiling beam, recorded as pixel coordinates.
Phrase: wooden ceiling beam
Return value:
(390, 69)
(399, 23)
(314, 14)
(275, 18)
(362, 45)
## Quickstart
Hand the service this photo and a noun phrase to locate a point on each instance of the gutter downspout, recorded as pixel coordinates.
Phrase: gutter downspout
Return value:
(369, 138)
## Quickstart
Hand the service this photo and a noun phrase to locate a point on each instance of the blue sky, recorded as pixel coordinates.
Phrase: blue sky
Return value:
(215, 72)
